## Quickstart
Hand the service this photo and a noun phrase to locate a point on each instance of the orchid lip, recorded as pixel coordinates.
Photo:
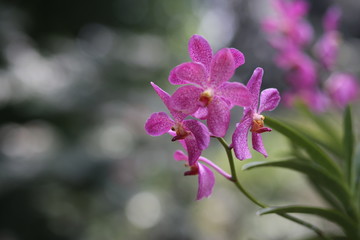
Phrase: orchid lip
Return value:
(206, 97)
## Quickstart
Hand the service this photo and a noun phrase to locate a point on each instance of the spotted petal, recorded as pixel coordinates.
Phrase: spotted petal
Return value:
(258, 144)
(206, 182)
(191, 73)
(165, 97)
(186, 99)
(158, 124)
(200, 50)
(254, 85)
(236, 93)
(174, 79)
(218, 117)
(200, 132)
(238, 56)
(240, 138)
(222, 67)
(192, 148)
(180, 156)
(269, 99)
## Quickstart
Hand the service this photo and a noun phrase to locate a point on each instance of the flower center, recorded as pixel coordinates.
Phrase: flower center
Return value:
(181, 132)
(206, 97)
(194, 170)
(258, 123)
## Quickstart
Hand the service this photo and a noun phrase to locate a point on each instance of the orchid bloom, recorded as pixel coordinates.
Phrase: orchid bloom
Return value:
(252, 119)
(301, 69)
(327, 47)
(289, 23)
(206, 178)
(194, 133)
(342, 88)
(210, 96)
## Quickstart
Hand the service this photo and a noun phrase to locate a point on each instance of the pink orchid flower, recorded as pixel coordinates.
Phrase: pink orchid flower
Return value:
(327, 47)
(342, 88)
(194, 133)
(210, 96)
(331, 19)
(314, 98)
(206, 178)
(252, 119)
(301, 69)
(289, 23)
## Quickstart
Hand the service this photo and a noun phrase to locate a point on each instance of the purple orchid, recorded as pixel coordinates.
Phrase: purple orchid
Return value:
(252, 119)
(206, 178)
(327, 47)
(194, 133)
(289, 23)
(342, 88)
(210, 96)
(301, 69)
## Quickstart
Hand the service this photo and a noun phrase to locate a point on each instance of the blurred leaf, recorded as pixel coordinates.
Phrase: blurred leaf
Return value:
(321, 123)
(349, 145)
(315, 152)
(326, 143)
(316, 174)
(344, 222)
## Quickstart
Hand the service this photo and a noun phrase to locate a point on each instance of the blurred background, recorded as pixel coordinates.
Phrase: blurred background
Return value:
(75, 161)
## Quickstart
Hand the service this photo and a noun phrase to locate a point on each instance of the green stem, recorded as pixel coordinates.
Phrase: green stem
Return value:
(235, 180)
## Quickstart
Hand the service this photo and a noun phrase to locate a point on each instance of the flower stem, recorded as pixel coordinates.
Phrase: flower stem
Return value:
(235, 180)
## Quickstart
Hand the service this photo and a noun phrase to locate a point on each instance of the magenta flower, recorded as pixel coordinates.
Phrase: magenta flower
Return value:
(210, 96)
(194, 133)
(331, 19)
(289, 23)
(300, 68)
(342, 88)
(326, 49)
(252, 119)
(315, 99)
(206, 178)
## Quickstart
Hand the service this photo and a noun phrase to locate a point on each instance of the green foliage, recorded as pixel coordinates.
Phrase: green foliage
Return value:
(329, 165)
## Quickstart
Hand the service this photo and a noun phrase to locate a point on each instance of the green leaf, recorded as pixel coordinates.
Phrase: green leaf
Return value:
(315, 152)
(321, 123)
(349, 228)
(349, 145)
(316, 174)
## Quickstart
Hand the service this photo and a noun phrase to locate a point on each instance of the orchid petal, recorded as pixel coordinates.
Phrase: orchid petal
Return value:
(186, 99)
(174, 79)
(269, 99)
(200, 132)
(236, 93)
(254, 85)
(192, 148)
(238, 56)
(200, 50)
(201, 113)
(180, 156)
(222, 67)
(165, 97)
(191, 73)
(158, 124)
(219, 117)
(206, 182)
(258, 144)
(240, 138)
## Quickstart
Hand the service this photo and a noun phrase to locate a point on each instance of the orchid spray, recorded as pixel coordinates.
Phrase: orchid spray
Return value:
(309, 68)
(207, 94)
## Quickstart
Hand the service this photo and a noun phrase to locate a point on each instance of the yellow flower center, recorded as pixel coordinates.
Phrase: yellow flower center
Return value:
(181, 133)
(206, 97)
(258, 122)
